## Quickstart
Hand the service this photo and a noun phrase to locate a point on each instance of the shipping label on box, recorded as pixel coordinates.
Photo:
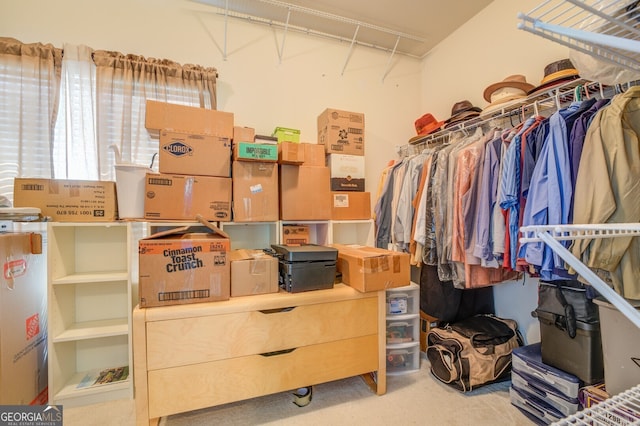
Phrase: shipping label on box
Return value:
(341, 132)
(249, 151)
(295, 234)
(253, 272)
(190, 154)
(167, 116)
(255, 192)
(68, 200)
(351, 205)
(183, 197)
(184, 265)
(23, 320)
(371, 268)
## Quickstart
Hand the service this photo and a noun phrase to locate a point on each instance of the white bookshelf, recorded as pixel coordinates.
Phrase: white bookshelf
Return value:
(90, 305)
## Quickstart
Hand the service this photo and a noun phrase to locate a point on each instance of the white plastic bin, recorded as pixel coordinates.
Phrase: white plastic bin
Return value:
(130, 190)
(620, 348)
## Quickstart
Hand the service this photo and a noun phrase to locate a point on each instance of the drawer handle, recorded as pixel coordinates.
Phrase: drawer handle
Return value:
(277, 310)
(280, 352)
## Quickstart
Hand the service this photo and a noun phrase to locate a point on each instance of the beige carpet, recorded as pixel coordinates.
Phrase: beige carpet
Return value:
(413, 399)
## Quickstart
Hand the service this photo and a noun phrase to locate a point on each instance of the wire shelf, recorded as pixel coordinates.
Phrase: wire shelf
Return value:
(606, 29)
(622, 409)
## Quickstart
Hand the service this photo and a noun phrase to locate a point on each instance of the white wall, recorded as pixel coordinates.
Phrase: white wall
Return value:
(264, 93)
(488, 48)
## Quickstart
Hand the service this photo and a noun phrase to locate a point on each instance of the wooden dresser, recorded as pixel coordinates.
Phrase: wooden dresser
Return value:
(189, 357)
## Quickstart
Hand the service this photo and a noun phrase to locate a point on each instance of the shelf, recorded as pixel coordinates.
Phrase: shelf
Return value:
(92, 394)
(607, 31)
(93, 330)
(360, 232)
(622, 409)
(89, 308)
(93, 277)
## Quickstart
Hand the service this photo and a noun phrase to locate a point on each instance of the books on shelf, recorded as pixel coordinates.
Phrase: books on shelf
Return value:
(104, 376)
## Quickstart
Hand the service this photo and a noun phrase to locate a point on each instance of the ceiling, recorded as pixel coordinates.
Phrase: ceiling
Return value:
(409, 27)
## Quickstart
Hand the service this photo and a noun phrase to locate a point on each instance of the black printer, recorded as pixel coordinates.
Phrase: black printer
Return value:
(305, 267)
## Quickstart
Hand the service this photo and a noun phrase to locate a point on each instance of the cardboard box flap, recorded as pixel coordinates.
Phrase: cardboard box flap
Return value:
(179, 232)
(248, 254)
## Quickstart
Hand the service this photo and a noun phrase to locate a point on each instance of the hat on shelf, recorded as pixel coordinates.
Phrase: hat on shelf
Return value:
(462, 111)
(556, 73)
(427, 124)
(513, 87)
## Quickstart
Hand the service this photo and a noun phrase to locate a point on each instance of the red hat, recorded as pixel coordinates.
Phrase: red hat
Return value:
(427, 124)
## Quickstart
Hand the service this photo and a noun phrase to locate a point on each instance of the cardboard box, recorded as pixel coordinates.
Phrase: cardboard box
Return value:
(184, 265)
(304, 193)
(371, 268)
(68, 200)
(350, 205)
(183, 197)
(190, 154)
(23, 320)
(295, 234)
(166, 116)
(341, 132)
(347, 172)
(249, 151)
(290, 153)
(255, 192)
(243, 134)
(313, 155)
(253, 272)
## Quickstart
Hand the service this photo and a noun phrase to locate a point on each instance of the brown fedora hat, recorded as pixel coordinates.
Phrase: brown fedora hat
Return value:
(462, 110)
(556, 73)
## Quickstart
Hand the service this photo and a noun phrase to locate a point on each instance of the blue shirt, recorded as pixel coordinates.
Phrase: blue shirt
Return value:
(510, 186)
(550, 192)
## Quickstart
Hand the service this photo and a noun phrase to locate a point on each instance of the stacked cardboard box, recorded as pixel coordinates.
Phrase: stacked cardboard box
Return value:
(255, 178)
(68, 200)
(194, 163)
(184, 265)
(342, 135)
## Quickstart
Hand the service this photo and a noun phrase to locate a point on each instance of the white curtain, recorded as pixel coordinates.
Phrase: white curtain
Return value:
(75, 149)
(29, 90)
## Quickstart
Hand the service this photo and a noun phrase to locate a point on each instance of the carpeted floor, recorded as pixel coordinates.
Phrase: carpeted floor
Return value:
(412, 399)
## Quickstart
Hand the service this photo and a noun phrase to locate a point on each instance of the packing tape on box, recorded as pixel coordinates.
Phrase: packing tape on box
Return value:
(303, 396)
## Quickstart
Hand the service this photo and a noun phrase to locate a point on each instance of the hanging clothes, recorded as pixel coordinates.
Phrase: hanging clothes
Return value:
(608, 190)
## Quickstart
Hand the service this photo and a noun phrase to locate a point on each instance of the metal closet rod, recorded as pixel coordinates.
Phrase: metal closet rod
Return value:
(549, 99)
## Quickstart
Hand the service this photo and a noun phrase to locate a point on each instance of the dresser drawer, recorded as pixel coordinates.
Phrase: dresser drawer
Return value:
(224, 381)
(187, 341)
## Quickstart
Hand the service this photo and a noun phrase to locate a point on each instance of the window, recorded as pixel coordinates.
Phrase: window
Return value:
(63, 112)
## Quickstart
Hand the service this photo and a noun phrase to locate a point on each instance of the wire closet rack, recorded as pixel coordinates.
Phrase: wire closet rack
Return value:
(608, 30)
(605, 29)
